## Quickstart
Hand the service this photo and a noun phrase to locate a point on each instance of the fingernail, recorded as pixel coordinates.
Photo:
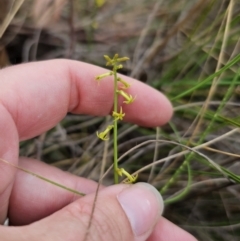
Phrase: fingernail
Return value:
(143, 205)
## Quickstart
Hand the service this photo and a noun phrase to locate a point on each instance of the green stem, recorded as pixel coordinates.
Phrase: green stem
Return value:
(115, 130)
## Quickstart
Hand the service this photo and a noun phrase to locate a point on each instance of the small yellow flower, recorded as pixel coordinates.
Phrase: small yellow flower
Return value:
(122, 59)
(125, 84)
(101, 76)
(120, 66)
(131, 178)
(108, 59)
(100, 3)
(118, 116)
(128, 98)
(104, 134)
(115, 60)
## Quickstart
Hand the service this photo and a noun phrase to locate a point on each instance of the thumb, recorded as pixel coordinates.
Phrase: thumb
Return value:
(122, 212)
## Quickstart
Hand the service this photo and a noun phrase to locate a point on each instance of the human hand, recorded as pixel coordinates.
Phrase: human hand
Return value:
(34, 98)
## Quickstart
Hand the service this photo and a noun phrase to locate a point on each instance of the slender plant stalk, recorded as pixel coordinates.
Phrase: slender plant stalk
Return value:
(115, 130)
(43, 178)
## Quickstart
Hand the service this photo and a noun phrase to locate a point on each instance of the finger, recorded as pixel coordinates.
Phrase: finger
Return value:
(38, 95)
(165, 230)
(33, 199)
(121, 213)
(9, 151)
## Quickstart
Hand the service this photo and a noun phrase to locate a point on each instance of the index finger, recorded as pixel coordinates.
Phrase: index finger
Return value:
(38, 95)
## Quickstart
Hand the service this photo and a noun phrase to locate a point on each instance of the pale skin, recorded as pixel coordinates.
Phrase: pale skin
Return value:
(33, 99)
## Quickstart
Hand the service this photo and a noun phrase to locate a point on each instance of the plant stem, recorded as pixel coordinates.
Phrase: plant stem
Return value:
(115, 144)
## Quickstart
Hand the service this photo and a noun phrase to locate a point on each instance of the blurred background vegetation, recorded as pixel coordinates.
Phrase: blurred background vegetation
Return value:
(189, 50)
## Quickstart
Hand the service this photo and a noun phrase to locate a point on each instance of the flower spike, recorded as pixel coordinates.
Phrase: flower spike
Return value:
(104, 134)
(117, 114)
